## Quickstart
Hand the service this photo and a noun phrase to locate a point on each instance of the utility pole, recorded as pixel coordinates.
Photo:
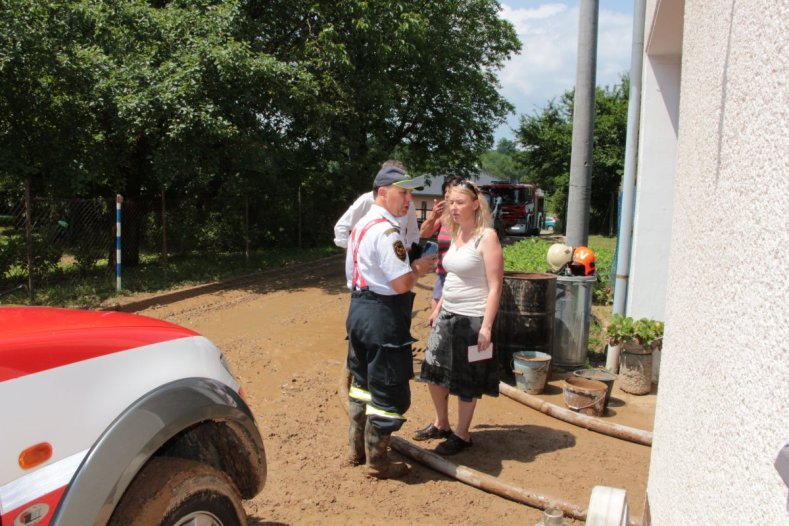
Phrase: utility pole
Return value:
(579, 196)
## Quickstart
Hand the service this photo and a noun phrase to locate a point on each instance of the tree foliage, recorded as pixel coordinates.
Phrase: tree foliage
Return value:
(225, 99)
(546, 141)
(502, 163)
(414, 77)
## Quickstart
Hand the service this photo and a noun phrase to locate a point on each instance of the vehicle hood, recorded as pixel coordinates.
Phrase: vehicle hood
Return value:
(33, 339)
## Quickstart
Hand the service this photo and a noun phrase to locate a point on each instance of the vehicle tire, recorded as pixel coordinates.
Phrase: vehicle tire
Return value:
(179, 492)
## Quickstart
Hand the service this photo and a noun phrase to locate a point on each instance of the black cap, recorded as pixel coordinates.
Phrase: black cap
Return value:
(391, 175)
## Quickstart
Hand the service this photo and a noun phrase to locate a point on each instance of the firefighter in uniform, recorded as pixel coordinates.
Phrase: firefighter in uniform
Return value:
(381, 277)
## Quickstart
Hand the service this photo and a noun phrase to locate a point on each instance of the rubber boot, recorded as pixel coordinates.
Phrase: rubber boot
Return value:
(379, 465)
(358, 419)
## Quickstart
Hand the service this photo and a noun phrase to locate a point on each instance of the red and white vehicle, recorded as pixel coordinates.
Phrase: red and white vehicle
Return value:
(113, 418)
(517, 207)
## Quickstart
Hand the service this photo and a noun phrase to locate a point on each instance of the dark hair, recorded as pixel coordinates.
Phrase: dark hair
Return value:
(449, 180)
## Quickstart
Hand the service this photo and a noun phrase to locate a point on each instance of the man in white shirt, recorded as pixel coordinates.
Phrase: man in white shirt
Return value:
(409, 229)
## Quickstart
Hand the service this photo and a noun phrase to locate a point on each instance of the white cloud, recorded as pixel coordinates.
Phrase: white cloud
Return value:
(546, 66)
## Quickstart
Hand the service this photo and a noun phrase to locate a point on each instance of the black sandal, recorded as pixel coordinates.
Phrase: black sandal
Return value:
(431, 431)
(453, 445)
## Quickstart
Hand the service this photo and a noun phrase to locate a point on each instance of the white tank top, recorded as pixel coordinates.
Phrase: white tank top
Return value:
(466, 287)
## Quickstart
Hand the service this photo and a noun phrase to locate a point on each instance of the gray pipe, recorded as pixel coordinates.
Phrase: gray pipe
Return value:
(625, 234)
(579, 195)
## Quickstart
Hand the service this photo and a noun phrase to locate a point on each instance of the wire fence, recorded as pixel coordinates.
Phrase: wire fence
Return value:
(48, 240)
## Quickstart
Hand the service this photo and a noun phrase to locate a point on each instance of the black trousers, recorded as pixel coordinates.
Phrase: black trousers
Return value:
(379, 354)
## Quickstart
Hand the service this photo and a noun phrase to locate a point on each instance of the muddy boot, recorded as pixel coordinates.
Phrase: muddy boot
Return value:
(356, 414)
(379, 465)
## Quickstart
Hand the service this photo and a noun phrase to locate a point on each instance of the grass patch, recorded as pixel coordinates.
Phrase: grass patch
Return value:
(69, 286)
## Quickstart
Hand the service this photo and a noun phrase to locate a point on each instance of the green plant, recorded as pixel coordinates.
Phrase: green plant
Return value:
(529, 255)
(649, 332)
(645, 332)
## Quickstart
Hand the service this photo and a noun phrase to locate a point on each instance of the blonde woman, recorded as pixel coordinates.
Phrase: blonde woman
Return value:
(458, 358)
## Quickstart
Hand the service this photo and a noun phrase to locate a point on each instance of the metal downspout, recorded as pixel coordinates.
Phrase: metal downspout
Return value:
(625, 234)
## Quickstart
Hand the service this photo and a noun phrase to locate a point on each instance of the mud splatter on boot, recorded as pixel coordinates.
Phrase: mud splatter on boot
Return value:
(358, 420)
(379, 465)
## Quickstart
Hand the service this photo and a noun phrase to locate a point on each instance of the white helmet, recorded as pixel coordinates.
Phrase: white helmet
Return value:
(558, 255)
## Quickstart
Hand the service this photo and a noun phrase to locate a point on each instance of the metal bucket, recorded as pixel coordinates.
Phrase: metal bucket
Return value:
(526, 316)
(531, 370)
(601, 376)
(584, 396)
(573, 306)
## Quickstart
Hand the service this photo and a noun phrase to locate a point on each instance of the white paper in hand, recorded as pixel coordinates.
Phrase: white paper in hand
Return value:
(475, 355)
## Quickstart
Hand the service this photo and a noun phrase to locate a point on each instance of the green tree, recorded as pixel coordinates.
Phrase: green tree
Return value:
(48, 128)
(502, 163)
(415, 76)
(223, 100)
(546, 140)
(135, 97)
(507, 147)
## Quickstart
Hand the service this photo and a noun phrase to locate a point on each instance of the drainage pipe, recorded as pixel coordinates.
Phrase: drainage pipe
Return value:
(465, 474)
(631, 434)
(625, 234)
(485, 482)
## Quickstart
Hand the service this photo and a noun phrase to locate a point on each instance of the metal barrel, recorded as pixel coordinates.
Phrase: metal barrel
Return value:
(525, 318)
(571, 329)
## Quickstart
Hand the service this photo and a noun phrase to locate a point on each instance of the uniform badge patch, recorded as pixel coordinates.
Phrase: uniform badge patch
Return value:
(399, 249)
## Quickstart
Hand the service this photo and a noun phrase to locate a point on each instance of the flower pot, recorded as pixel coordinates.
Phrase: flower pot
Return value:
(656, 355)
(635, 369)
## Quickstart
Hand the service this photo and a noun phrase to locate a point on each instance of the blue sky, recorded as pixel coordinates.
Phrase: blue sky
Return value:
(545, 67)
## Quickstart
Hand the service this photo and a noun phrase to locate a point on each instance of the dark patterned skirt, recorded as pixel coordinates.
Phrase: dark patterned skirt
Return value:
(446, 358)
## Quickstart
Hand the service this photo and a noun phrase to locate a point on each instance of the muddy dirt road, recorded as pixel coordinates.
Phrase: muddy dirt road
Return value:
(283, 334)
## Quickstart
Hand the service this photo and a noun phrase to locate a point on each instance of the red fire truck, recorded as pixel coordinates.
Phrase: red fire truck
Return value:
(518, 208)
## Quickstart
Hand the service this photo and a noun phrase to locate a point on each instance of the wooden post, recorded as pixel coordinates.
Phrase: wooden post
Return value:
(164, 230)
(29, 241)
(246, 227)
(300, 215)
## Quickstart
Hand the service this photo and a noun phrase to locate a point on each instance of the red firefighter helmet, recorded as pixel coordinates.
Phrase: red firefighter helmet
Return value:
(583, 261)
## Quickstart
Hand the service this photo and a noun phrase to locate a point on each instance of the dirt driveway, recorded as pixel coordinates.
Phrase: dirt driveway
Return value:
(283, 333)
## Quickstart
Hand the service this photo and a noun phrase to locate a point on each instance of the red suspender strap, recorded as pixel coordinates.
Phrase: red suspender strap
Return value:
(357, 277)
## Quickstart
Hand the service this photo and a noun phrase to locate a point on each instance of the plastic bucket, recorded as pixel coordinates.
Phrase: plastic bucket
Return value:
(601, 376)
(531, 369)
(608, 507)
(585, 396)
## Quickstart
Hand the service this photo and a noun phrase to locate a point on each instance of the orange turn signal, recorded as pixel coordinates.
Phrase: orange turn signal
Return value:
(35, 455)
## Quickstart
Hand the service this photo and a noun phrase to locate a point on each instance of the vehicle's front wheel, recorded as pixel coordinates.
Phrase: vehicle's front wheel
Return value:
(179, 492)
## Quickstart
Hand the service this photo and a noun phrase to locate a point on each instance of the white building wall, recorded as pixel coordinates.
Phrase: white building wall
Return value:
(646, 297)
(723, 404)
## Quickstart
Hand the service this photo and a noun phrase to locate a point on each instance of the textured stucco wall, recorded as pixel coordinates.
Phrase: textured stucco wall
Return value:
(723, 403)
